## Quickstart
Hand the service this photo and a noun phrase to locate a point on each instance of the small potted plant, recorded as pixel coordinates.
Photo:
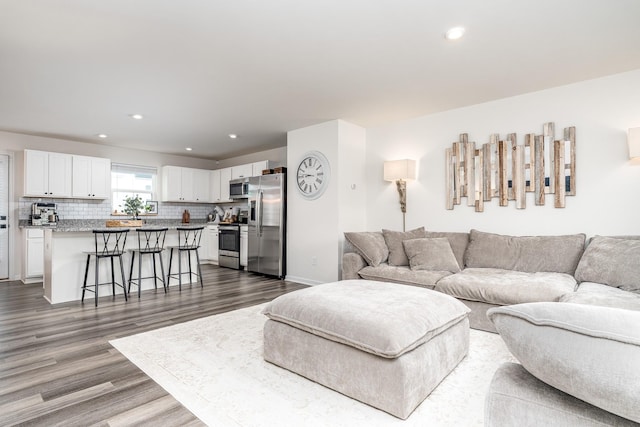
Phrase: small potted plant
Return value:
(134, 205)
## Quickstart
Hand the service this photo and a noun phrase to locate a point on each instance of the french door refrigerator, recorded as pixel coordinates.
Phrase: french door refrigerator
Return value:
(267, 219)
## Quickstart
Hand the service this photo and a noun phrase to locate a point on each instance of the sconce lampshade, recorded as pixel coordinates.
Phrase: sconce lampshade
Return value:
(399, 169)
(634, 143)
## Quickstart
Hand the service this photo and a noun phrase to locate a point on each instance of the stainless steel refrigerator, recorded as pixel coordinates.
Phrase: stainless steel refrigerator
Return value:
(267, 219)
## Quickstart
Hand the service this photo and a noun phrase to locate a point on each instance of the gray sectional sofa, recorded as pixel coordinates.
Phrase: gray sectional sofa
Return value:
(568, 310)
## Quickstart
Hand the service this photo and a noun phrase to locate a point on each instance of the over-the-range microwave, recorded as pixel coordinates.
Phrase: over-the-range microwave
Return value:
(239, 188)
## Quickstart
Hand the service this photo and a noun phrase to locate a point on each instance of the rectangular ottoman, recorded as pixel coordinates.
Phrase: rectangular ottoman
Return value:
(383, 344)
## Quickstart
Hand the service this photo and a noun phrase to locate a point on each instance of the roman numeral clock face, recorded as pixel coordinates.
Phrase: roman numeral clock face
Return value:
(313, 175)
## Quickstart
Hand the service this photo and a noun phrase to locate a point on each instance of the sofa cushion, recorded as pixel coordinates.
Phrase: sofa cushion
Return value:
(603, 295)
(586, 351)
(611, 261)
(558, 254)
(370, 245)
(431, 254)
(403, 275)
(394, 239)
(458, 242)
(379, 318)
(504, 287)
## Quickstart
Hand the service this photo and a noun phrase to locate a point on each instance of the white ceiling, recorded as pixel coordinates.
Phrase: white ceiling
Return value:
(201, 69)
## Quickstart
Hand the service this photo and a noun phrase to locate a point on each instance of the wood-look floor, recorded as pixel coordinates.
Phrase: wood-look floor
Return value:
(57, 367)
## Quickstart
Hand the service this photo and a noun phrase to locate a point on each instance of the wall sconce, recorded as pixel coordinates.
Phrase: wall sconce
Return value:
(633, 139)
(399, 171)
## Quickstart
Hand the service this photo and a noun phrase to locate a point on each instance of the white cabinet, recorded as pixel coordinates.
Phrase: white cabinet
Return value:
(258, 167)
(242, 171)
(47, 174)
(201, 183)
(185, 184)
(225, 177)
(203, 250)
(34, 253)
(214, 186)
(244, 245)
(91, 177)
(212, 231)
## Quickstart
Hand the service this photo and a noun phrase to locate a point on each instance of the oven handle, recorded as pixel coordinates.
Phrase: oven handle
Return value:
(260, 197)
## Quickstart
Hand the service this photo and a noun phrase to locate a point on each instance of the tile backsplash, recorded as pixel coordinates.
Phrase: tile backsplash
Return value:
(98, 209)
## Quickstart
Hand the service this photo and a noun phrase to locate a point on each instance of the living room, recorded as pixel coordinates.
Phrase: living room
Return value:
(573, 63)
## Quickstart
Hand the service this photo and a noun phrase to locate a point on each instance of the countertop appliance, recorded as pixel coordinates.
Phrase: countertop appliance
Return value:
(267, 219)
(229, 245)
(239, 188)
(44, 214)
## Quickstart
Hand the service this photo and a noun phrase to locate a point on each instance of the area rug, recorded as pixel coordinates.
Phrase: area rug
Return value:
(214, 367)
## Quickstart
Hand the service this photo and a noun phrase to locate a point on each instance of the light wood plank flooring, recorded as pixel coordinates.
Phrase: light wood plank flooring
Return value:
(57, 367)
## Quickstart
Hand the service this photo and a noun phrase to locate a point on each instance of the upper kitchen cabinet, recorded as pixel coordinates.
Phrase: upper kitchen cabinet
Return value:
(242, 171)
(91, 177)
(47, 174)
(225, 177)
(214, 186)
(185, 185)
(258, 167)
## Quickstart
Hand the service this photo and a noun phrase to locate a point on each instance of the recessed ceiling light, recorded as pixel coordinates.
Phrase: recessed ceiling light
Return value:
(188, 148)
(233, 136)
(102, 135)
(137, 116)
(454, 33)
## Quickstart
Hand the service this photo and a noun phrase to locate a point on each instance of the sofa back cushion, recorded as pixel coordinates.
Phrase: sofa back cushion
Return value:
(458, 242)
(556, 254)
(611, 261)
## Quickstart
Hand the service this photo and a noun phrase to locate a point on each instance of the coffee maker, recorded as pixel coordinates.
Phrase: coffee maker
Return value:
(44, 214)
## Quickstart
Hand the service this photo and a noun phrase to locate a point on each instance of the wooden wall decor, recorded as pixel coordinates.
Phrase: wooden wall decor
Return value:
(502, 169)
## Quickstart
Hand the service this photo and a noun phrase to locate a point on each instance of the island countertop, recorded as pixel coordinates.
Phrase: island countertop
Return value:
(80, 225)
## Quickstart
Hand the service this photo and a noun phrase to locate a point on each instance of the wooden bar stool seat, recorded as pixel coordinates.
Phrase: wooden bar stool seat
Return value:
(150, 242)
(188, 241)
(109, 244)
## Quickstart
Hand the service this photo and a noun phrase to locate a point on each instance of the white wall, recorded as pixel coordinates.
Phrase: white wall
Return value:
(608, 183)
(314, 227)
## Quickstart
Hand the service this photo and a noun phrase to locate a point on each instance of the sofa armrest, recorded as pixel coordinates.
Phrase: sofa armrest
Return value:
(351, 264)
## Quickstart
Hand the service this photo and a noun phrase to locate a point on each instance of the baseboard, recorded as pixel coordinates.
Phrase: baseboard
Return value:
(302, 280)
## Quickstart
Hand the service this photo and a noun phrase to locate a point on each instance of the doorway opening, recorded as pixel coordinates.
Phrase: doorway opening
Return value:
(4, 217)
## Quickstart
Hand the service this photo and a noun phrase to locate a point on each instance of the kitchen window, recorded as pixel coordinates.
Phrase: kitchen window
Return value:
(131, 180)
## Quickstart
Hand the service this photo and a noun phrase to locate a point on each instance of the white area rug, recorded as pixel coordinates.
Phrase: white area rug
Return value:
(214, 367)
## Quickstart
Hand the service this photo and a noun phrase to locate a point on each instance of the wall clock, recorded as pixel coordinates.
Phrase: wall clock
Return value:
(312, 176)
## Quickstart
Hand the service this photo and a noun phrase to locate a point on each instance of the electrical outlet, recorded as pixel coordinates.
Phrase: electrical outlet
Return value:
(314, 260)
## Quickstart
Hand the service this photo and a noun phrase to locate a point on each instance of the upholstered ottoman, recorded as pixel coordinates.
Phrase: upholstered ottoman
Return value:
(383, 344)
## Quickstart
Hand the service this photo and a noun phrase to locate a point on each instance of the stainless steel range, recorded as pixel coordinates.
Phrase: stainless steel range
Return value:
(229, 245)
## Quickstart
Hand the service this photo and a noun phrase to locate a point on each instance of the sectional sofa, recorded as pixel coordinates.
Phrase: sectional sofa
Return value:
(567, 308)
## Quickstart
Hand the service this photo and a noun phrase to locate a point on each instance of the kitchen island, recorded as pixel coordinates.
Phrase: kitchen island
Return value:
(65, 258)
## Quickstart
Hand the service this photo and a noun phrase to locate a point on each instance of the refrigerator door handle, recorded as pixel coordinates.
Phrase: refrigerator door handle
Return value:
(260, 197)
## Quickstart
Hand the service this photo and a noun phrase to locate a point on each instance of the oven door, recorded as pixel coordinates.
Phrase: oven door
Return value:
(228, 241)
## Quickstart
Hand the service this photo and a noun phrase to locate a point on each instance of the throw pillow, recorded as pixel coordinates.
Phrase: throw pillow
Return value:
(394, 239)
(370, 245)
(433, 254)
(589, 352)
(611, 261)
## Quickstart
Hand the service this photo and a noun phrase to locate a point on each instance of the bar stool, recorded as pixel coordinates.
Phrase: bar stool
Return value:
(188, 241)
(150, 242)
(109, 243)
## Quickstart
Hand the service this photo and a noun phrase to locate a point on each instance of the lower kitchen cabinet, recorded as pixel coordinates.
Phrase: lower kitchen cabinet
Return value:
(244, 245)
(212, 241)
(34, 254)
